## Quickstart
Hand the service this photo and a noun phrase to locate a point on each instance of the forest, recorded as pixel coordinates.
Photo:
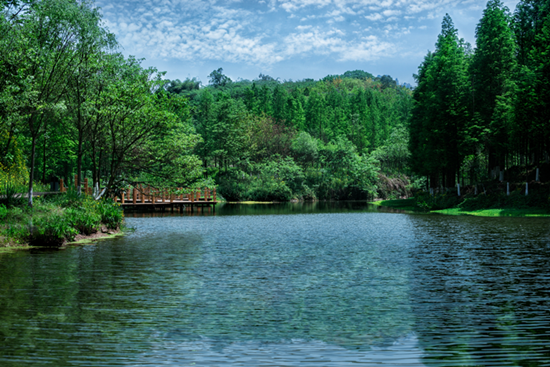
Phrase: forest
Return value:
(73, 107)
(483, 113)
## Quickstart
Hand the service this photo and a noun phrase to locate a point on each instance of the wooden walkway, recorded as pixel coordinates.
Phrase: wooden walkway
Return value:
(146, 197)
(141, 198)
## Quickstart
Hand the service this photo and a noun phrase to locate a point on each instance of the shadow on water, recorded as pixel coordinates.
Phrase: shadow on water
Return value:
(315, 207)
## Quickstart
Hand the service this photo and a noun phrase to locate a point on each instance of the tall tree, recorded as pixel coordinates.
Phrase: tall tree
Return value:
(57, 31)
(493, 71)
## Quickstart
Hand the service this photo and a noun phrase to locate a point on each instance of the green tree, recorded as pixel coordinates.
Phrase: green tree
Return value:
(218, 79)
(493, 69)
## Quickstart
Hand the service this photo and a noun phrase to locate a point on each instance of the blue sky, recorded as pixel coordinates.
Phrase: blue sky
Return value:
(286, 39)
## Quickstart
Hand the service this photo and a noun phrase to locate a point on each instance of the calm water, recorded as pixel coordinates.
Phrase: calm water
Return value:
(286, 285)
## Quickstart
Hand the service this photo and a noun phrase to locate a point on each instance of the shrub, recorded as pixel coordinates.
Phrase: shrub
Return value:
(84, 221)
(3, 212)
(426, 201)
(110, 213)
(10, 195)
(51, 231)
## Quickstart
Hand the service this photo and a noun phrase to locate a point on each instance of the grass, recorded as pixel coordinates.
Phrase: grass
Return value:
(410, 205)
(54, 221)
(496, 212)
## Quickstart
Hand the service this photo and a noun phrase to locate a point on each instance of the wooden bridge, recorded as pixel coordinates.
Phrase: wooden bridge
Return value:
(147, 197)
(172, 198)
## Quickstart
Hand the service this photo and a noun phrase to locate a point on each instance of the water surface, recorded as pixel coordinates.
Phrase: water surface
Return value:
(286, 285)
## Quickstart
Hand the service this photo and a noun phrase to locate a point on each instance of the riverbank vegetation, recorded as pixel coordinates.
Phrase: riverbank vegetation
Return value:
(493, 199)
(55, 219)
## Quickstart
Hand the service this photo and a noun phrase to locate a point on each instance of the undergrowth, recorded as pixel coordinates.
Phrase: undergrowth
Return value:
(55, 219)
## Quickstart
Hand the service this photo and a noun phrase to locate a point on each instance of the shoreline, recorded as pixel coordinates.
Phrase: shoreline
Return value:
(408, 206)
(80, 240)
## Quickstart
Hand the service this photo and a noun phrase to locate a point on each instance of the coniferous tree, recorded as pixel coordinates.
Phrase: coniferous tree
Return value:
(493, 72)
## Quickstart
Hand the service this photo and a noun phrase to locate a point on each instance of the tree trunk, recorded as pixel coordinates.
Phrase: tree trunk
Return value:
(79, 164)
(44, 162)
(31, 174)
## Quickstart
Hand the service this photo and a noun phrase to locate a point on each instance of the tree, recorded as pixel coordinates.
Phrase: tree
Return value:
(55, 32)
(493, 69)
(218, 79)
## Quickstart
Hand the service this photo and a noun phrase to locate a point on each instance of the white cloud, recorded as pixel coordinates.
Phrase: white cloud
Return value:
(270, 31)
(374, 17)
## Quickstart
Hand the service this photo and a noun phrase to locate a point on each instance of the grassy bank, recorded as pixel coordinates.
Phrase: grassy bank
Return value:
(509, 212)
(496, 204)
(55, 220)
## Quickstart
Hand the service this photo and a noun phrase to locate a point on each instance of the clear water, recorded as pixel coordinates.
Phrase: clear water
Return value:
(286, 285)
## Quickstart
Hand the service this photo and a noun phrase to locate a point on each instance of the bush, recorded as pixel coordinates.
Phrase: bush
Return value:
(52, 231)
(11, 195)
(3, 212)
(84, 221)
(110, 214)
(426, 201)
(55, 219)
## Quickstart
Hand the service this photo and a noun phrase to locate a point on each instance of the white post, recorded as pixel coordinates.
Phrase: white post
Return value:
(526, 188)
(508, 188)
(537, 178)
(431, 191)
(458, 186)
(475, 190)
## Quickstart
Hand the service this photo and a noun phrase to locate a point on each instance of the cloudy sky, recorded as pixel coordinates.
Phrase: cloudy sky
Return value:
(286, 39)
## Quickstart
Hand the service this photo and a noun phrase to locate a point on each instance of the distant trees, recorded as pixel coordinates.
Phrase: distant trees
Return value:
(266, 127)
(218, 79)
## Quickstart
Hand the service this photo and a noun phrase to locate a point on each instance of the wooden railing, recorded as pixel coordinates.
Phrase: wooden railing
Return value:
(151, 195)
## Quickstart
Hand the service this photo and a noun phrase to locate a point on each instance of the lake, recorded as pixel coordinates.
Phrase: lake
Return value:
(319, 284)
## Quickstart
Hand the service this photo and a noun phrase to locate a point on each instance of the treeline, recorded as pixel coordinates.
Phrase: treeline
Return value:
(71, 104)
(276, 140)
(478, 112)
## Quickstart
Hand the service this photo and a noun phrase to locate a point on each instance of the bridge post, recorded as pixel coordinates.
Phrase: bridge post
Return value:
(134, 192)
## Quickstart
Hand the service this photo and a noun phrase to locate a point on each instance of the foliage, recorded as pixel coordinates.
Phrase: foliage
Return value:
(70, 104)
(479, 113)
(428, 202)
(57, 218)
(11, 195)
(52, 230)
(111, 214)
(3, 211)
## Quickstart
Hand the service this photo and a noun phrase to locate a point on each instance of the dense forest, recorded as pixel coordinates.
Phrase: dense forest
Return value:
(481, 112)
(271, 140)
(71, 105)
